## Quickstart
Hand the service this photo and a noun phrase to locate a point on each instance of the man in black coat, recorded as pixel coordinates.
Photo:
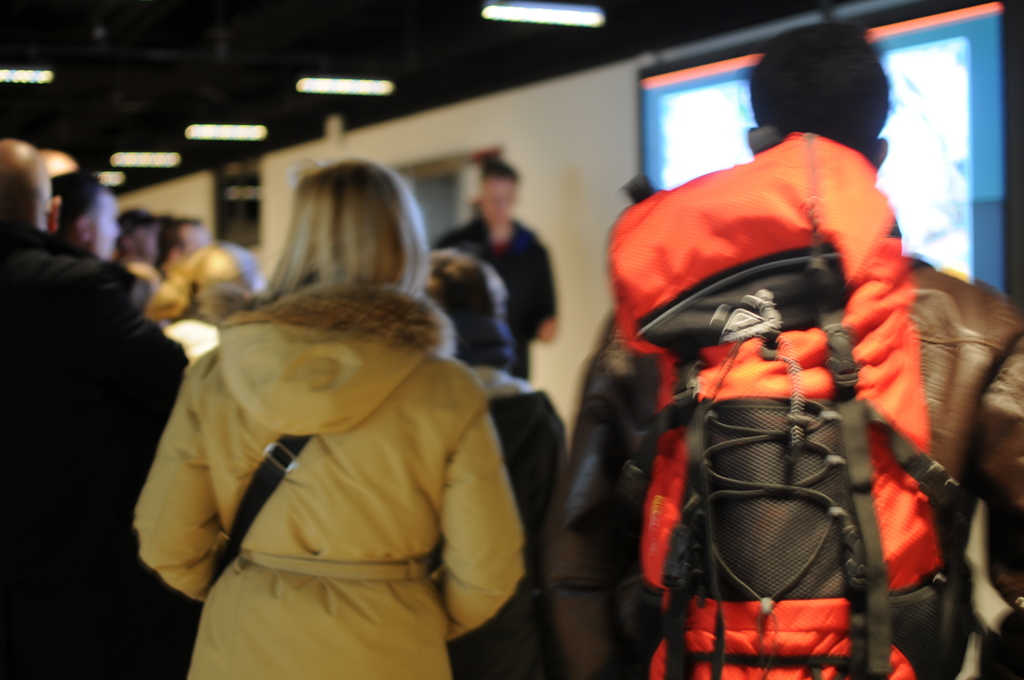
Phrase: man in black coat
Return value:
(89, 384)
(518, 256)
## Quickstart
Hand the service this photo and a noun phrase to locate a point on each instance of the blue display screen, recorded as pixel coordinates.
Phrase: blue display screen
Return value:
(945, 172)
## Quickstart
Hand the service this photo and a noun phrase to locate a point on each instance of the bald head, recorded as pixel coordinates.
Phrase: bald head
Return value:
(58, 162)
(25, 192)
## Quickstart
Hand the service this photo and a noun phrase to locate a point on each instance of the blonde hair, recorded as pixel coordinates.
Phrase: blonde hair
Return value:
(201, 272)
(353, 222)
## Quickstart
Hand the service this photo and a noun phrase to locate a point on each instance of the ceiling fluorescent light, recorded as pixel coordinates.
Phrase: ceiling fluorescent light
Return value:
(558, 13)
(111, 178)
(33, 76)
(330, 85)
(230, 133)
(146, 159)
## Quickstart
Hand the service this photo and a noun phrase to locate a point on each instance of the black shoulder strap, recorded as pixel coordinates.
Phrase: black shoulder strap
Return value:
(870, 619)
(279, 458)
(637, 470)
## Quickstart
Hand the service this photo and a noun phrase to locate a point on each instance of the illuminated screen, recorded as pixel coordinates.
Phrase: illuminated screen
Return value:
(945, 170)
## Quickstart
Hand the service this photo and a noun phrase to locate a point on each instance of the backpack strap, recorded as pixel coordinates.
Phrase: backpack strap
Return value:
(632, 486)
(636, 473)
(870, 620)
(635, 477)
(944, 493)
(279, 458)
(698, 484)
(679, 573)
(953, 507)
(689, 568)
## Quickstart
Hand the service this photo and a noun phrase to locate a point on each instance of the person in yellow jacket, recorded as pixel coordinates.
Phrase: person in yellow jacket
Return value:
(332, 580)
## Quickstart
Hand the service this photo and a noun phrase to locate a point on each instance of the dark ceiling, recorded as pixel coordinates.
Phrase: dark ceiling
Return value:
(131, 75)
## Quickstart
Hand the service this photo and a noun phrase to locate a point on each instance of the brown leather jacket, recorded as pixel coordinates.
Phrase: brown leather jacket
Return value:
(972, 360)
(591, 555)
(973, 366)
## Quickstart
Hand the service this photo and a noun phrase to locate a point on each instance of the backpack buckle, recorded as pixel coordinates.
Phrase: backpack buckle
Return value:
(844, 368)
(688, 384)
(678, 563)
(845, 376)
(632, 485)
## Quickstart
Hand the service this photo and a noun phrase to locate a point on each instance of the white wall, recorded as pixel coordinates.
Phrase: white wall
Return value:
(191, 196)
(575, 143)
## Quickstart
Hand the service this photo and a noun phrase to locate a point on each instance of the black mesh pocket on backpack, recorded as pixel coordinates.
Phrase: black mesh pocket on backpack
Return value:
(771, 516)
(916, 633)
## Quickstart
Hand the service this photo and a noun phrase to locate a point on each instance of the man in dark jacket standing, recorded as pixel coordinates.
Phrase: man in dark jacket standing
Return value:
(90, 384)
(517, 254)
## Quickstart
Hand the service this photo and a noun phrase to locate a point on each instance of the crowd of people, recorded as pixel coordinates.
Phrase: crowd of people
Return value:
(399, 363)
(342, 470)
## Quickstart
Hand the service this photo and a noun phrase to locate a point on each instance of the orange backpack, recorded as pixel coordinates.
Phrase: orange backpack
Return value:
(793, 524)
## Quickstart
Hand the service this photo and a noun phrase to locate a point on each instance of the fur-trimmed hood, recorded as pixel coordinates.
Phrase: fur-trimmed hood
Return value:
(323, 359)
(381, 312)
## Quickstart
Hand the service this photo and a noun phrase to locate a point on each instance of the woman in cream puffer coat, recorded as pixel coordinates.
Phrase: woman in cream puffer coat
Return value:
(332, 578)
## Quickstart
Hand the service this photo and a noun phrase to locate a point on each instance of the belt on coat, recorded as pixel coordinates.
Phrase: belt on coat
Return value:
(410, 569)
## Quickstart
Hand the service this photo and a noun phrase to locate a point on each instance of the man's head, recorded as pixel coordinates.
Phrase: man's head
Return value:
(88, 216)
(180, 238)
(498, 183)
(825, 79)
(25, 193)
(58, 162)
(140, 237)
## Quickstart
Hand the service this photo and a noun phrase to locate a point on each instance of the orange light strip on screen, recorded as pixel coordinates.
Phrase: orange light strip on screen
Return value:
(700, 71)
(903, 27)
(936, 20)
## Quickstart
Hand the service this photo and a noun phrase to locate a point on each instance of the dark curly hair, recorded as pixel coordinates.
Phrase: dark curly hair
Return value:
(824, 79)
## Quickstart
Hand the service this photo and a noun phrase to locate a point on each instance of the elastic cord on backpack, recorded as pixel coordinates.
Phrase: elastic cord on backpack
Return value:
(797, 399)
